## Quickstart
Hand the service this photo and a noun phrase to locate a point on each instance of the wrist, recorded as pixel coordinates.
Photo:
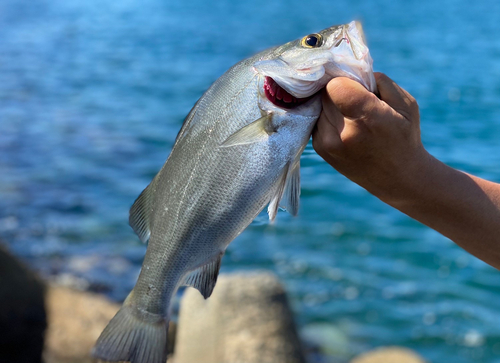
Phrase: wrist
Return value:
(413, 182)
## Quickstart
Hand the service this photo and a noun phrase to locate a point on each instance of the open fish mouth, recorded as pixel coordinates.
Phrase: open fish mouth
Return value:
(306, 65)
(278, 96)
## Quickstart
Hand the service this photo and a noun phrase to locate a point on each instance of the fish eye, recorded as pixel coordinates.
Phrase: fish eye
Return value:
(312, 41)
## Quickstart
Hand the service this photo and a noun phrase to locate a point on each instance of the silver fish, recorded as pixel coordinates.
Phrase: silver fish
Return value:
(237, 151)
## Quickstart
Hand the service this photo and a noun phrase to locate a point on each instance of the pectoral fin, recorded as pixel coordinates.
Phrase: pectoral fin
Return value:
(204, 277)
(257, 131)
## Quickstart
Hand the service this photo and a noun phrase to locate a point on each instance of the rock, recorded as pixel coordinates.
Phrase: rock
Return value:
(389, 355)
(75, 321)
(22, 312)
(246, 320)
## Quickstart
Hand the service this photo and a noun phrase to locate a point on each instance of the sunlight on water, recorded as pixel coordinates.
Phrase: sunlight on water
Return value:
(93, 93)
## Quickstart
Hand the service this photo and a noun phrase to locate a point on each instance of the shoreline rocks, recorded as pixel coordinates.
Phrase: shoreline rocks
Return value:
(75, 319)
(246, 320)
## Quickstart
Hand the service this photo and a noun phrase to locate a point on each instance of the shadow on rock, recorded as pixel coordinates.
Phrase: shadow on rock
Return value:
(22, 312)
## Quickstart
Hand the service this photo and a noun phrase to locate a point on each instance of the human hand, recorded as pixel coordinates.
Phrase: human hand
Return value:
(374, 142)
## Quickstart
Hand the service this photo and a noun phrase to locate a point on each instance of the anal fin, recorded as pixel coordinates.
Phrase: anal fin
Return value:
(204, 277)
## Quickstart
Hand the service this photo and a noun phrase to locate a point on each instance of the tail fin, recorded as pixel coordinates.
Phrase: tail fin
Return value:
(129, 338)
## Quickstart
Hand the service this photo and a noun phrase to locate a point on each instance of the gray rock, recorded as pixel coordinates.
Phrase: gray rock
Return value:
(246, 320)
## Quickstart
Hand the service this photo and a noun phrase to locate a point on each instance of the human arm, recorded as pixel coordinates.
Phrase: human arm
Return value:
(376, 143)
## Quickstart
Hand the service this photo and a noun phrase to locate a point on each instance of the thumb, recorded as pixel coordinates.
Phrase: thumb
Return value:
(396, 97)
(351, 98)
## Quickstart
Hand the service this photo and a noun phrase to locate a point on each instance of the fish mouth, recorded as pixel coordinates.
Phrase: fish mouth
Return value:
(278, 96)
(304, 71)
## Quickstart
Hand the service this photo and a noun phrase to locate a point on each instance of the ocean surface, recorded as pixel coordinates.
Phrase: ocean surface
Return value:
(93, 93)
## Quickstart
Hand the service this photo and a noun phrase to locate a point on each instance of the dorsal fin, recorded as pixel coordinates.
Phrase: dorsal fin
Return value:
(139, 214)
(204, 277)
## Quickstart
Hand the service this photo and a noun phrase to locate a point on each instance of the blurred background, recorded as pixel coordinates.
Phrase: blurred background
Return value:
(93, 93)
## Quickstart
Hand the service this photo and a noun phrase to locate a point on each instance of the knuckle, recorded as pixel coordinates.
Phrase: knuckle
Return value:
(329, 144)
(326, 145)
(316, 144)
(358, 132)
(413, 108)
(381, 78)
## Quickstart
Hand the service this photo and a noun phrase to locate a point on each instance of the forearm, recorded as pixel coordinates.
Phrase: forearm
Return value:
(376, 143)
(462, 207)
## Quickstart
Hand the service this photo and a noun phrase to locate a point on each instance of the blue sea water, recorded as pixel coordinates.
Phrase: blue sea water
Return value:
(93, 93)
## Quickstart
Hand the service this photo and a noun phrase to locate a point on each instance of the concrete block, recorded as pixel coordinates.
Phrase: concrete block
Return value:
(246, 320)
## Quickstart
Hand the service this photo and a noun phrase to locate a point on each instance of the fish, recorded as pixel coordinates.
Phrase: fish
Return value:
(237, 151)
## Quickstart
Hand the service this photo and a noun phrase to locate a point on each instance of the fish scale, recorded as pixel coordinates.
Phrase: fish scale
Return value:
(236, 152)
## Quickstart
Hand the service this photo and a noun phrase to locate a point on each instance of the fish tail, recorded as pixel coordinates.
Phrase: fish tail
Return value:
(133, 336)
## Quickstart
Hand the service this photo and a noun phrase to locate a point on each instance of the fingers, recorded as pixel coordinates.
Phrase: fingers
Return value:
(354, 101)
(343, 99)
(396, 97)
(326, 134)
(331, 114)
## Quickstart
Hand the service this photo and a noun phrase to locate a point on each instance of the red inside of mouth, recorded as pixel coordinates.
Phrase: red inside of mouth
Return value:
(279, 97)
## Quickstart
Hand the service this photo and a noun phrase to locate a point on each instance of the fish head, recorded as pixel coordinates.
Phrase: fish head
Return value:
(304, 66)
